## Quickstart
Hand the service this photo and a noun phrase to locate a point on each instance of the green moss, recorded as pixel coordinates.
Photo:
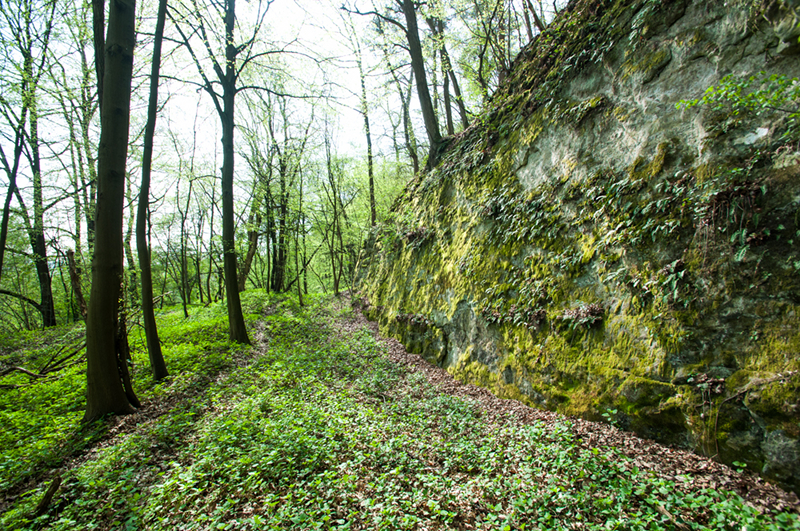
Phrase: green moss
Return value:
(477, 373)
(648, 66)
(639, 170)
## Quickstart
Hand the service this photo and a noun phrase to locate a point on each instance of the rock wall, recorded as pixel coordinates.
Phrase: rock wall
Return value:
(591, 248)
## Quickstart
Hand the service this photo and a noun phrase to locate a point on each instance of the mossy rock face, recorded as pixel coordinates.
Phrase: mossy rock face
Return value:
(588, 247)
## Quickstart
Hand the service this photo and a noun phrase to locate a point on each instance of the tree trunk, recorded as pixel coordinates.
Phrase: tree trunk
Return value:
(279, 271)
(365, 113)
(183, 261)
(198, 253)
(236, 327)
(408, 127)
(211, 260)
(297, 239)
(132, 285)
(418, 65)
(252, 247)
(157, 365)
(75, 282)
(437, 27)
(104, 391)
(448, 110)
(405, 101)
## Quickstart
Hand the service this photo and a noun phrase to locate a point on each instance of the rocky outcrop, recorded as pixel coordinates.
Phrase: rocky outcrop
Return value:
(592, 246)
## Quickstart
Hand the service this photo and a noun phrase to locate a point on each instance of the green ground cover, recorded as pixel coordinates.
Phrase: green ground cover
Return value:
(316, 429)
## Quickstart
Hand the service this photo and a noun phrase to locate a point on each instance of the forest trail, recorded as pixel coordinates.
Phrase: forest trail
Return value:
(324, 424)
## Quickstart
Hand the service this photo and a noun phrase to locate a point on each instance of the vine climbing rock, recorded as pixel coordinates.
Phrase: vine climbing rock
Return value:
(620, 231)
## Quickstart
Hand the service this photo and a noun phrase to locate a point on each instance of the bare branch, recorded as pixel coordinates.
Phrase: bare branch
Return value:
(22, 298)
(390, 20)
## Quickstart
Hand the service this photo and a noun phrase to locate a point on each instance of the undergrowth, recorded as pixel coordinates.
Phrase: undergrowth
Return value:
(321, 431)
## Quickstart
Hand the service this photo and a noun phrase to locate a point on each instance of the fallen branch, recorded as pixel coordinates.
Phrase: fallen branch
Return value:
(44, 503)
(676, 523)
(52, 365)
(9, 370)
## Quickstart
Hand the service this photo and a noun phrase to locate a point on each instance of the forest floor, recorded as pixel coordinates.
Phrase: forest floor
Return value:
(323, 424)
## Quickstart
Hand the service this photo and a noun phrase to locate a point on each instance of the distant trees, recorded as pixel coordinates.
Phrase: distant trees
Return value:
(226, 75)
(29, 26)
(292, 218)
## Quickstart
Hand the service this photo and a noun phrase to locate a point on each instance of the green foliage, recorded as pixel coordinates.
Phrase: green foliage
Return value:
(758, 94)
(40, 421)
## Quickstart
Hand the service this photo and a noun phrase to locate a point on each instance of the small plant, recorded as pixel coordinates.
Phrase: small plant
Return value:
(757, 94)
(584, 316)
(611, 416)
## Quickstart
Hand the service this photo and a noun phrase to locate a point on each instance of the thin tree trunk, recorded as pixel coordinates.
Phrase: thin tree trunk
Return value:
(252, 247)
(305, 261)
(211, 261)
(408, 127)
(418, 64)
(75, 282)
(279, 271)
(335, 205)
(236, 326)
(365, 113)
(437, 27)
(448, 111)
(157, 365)
(536, 18)
(197, 252)
(38, 245)
(297, 238)
(253, 228)
(186, 288)
(132, 286)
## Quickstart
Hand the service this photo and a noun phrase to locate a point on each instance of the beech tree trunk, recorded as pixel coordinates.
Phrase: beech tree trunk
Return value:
(104, 391)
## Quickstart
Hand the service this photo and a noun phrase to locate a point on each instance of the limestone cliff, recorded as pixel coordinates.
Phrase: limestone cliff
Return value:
(590, 247)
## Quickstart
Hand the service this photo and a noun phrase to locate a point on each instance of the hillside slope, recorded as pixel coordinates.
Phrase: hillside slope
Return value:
(591, 248)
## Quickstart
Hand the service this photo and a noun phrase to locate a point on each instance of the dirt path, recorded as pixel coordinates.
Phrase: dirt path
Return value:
(665, 462)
